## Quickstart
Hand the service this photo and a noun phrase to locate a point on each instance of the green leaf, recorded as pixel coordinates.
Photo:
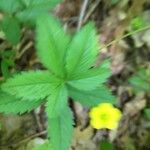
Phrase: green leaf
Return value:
(57, 101)
(141, 81)
(103, 70)
(10, 104)
(5, 69)
(45, 4)
(25, 3)
(83, 50)
(139, 84)
(92, 78)
(35, 8)
(137, 23)
(11, 28)
(105, 145)
(42, 3)
(115, 1)
(10, 6)
(60, 130)
(92, 98)
(8, 54)
(147, 112)
(51, 44)
(86, 84)
(32, 85)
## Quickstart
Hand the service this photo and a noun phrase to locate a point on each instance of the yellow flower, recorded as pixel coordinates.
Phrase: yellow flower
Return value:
(104, 116)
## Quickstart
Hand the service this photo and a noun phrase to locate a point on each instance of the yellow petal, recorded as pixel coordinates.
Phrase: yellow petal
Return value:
(112, 125)
(96, 124)
(94, 113)
(116, 113)
(105, 106)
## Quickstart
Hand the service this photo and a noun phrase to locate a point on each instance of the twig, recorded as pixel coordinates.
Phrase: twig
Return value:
(27, 47)
(38, 121)
(26, 139)
(91, 10)
(82, 13)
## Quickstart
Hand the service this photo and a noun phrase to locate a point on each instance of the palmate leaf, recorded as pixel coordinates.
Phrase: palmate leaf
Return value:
(69, 63)
(51, 44)
(60, 130)
(92, 98)
(11, 104)
(32, 85)
(57, 101)
(82, 50)
(34, 8)
(92, 78)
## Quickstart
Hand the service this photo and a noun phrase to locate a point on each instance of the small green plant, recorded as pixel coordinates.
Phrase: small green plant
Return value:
(22, 12)
(69, 60)
(137, 23)
(7, 61)
(147, 112)
(106, 145)
(141, 82)
(114, 2)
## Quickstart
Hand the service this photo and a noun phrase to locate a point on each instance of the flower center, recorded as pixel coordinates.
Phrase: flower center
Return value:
(104, 117)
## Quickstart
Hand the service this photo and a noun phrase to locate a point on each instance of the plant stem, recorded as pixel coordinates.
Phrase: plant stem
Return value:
(126, 35)
(82, 13)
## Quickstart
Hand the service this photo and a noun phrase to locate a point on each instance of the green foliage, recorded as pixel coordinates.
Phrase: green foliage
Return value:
(102, 70)
(32, 85)
(137, 23)
(93, 97)
(147, 112)
(105, 145)
(90, 79)
(10, 6)
(11, 28)
(141, 81)
(7, 61)
(83, 47)
(5, 68)
(51, 48)
(11, 104)
(57, 101)
(115, 1)
(34, 8)
(18, 12)
(61, 130)
(69, 61)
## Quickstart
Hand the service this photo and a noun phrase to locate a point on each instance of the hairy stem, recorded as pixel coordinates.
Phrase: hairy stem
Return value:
(126, 35)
